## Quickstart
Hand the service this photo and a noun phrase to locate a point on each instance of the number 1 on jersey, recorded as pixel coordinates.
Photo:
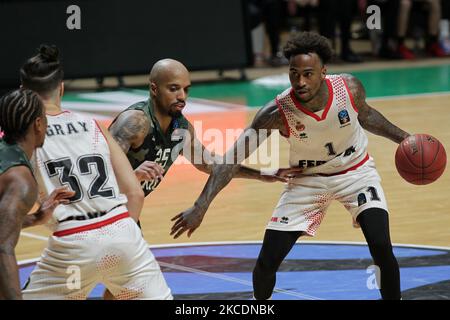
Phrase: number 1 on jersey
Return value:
(330, 148)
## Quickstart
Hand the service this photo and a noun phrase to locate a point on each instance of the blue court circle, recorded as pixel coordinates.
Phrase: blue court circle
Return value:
(311, 271)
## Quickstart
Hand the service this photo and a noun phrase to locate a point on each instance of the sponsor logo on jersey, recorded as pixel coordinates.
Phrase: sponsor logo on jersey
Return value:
(310, 163)
(284, 220)
(343, 116)
(147, 185)
(274, 219)
(303, 135)
(349, 151)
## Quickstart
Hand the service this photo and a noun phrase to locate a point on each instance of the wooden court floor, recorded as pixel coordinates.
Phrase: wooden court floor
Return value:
(418, 214)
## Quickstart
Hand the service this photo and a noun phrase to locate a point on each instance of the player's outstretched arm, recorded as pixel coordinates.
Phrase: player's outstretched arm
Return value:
(129, 130)
(268, 119)
(18, 192)
(127, 181)
(369, 118)
(202, 159)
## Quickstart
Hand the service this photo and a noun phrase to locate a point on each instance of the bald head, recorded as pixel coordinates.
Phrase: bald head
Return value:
(169, 86)
(166, 69)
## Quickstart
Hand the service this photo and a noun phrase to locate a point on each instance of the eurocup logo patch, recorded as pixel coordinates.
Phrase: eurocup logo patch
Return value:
(343, 117)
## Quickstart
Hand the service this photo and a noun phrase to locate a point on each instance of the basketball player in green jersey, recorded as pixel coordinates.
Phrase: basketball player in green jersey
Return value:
(24, 124)
(150, 132)
(153, 133)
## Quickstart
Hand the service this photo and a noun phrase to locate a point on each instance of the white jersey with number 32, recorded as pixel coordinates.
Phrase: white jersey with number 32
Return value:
(76, 154)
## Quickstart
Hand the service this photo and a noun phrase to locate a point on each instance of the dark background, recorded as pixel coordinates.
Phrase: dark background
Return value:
(125, 37)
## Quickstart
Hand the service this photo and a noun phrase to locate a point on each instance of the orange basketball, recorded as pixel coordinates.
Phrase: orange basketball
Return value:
(420, 159)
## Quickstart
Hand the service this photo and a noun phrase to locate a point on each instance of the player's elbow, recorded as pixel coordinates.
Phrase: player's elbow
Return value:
(134, 191)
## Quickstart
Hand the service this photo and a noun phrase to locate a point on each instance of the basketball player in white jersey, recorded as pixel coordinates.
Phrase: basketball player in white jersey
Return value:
(95, 237)
(323, 117)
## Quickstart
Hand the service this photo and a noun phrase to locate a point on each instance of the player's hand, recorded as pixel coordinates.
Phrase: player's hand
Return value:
(59, 196)
(188, 220)
(149, 171)
(272, 178)
(289, 173)
(282, 175)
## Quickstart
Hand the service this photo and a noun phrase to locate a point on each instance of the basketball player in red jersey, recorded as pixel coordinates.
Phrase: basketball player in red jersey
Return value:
(323, 117)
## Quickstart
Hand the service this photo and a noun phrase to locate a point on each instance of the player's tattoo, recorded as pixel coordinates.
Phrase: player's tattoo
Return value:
(268, 118)
(15, 203)
(128, 128)
(369, 118)
(219, 178)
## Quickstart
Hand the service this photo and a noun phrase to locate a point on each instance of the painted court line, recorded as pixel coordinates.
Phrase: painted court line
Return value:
(233, 279)
(359, 243)
(34, 236)
(196, 271)
(410, 96)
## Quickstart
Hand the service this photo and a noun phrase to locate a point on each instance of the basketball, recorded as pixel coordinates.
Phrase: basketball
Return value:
(420, 159)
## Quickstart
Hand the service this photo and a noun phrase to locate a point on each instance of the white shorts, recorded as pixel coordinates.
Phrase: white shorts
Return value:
(304, 202)
(114, 254)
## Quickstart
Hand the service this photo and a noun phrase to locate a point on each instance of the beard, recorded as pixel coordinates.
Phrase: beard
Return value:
(175, 113)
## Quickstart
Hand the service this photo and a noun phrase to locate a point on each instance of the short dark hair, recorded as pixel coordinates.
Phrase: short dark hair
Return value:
(18, 110)
(308, 42)
(43, 72)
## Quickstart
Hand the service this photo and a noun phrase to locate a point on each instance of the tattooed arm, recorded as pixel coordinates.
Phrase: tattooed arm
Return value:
(128, 184)
(268, 118)
(202, 159)
(199, 156)
(369, 118)
(18, 193)
(129, 130)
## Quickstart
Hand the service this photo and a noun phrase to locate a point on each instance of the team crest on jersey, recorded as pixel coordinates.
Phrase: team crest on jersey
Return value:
(343, 116)
(299, 126)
